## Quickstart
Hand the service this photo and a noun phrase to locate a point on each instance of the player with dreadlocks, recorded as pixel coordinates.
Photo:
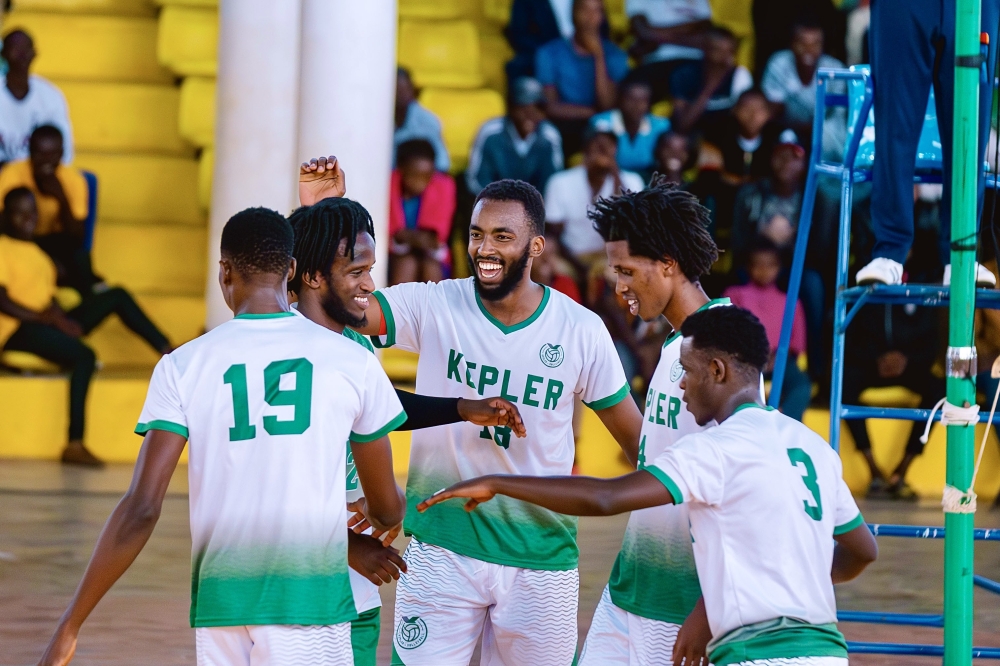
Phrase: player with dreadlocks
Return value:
(335, 251)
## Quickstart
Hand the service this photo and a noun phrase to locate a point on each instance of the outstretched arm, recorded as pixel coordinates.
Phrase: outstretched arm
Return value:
(854, 551)
(124, 535)
(571, 495)
(624, 421)
(384, 503)
(427, 411)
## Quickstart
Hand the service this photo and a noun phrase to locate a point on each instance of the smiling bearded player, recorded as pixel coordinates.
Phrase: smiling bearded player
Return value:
(508, 572)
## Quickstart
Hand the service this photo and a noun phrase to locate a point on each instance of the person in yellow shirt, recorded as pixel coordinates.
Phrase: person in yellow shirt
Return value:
(62, 198)
(32, 321)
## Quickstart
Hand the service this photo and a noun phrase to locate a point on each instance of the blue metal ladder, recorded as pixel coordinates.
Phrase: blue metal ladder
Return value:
(856, 168)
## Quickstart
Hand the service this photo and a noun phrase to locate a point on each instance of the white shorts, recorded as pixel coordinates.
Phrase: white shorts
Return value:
(274, 645)
(796, 661)
(619, 637)
(445, 600)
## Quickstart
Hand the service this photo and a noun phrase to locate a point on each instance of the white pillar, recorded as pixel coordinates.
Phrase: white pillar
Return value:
(256, 125)
(348, 84)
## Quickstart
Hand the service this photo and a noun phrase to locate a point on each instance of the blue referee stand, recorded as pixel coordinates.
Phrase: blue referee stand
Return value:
(855, 168)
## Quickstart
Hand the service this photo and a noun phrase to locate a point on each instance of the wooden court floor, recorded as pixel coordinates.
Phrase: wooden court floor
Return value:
(50, 516)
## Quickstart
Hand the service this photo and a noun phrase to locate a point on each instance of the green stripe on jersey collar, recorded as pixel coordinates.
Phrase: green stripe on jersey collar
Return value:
(504, 328)
(753, 405)
(711, 304)
(266, 315)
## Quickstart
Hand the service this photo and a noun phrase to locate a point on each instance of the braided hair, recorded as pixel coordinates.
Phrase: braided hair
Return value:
(662, 221)
(319, 230)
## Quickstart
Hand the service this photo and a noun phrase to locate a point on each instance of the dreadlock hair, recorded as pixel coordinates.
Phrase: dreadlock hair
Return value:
(258, 241)
(732, 331)
(662, 221)
(524, 193)
(319, 230)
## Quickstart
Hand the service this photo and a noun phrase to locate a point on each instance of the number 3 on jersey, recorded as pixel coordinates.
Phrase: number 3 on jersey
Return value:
(800, 457)
(300, 398)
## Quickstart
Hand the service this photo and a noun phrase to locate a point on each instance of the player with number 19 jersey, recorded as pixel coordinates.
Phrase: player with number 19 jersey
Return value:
(268, 403)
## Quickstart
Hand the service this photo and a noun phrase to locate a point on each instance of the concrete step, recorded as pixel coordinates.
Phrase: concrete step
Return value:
(125, 118)
(181, 318)
(152, 259)
(93, 48)
(141, 8)
(188, 40)
(197, 110)
(145, 188)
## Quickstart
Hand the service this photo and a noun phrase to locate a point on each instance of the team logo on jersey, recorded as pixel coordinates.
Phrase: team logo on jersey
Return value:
(676, 371)
(411, 633)
(552, 355)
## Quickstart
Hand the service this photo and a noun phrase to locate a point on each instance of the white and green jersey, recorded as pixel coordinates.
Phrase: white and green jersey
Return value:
(560, 351)
(654, 575)
(766, 495)
(366, 595)
(268, 403)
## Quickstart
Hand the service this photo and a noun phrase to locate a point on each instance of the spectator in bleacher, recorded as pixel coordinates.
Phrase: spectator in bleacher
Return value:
(891, 345)
(636, 128)
(27, 101)
(521, 145)
(790, 78)
(63, 201)
(677, 158)
(414, 121)
(746, 138)
(762, 297)
(421, 206)
(580, 74)
(704, 91)
(570, 195)
(532, 24)
(773, 21)
(32, 321)
(551, 269)
(667, 33)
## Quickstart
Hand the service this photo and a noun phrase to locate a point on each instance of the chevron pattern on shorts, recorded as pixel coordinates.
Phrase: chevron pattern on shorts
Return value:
(535, 621)
(293, 645)
(797, 661)
(652, 641)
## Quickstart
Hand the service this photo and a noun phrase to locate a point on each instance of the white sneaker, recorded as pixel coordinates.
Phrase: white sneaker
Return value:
(881, 270)
(984, 277)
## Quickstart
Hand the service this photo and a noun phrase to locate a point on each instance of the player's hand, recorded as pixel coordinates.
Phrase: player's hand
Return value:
(693, 638)
(61, 648)
(492, 412)
(321, 178)
(377, 563)
(476, 490)
(359, 523)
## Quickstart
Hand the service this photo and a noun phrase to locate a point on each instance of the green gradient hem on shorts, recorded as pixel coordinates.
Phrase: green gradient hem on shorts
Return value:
(654, 576)
(390, 324)
(166, 426)
(397, 421)
(364, 637)
(782, 638)
(665, 479)
(609, 401)
(854, 523)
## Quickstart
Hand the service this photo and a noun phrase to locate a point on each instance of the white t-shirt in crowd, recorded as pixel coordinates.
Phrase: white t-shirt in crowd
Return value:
(561, 351)
(568, 198)
(563, 11)
(268, 404)
(666, 14)
(43, 105)
(781, 84)
(766, 496)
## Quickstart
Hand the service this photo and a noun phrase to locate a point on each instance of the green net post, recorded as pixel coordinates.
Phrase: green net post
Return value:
(961, 365)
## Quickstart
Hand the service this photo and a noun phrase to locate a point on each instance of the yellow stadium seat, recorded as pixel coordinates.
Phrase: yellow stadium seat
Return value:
(197, 110)
(187, 3)
(27, 362)
(736, 16)
(494, 53)
(164, 259)
(181, 318)
(205, 171)
(617, 18)
(462, 112)
(399, 365)
(436, 9)
(107, 7)
(188, 41)
(145, 188)
(92, 48)
(110, 117)
(441, 54)
(497, 11)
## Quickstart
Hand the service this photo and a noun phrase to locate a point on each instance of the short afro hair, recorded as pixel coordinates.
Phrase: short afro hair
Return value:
(258, 241)
(319, 229)
(45, 132)
(14, 195)
(660, 222)
(415, 149)
(730, 330)
(522, 192)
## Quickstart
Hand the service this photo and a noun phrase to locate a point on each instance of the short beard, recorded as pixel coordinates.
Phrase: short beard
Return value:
(337, 310)
(511, 279)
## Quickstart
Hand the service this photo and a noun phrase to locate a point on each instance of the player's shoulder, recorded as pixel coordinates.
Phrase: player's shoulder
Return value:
(572, 311)
(443, 289)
